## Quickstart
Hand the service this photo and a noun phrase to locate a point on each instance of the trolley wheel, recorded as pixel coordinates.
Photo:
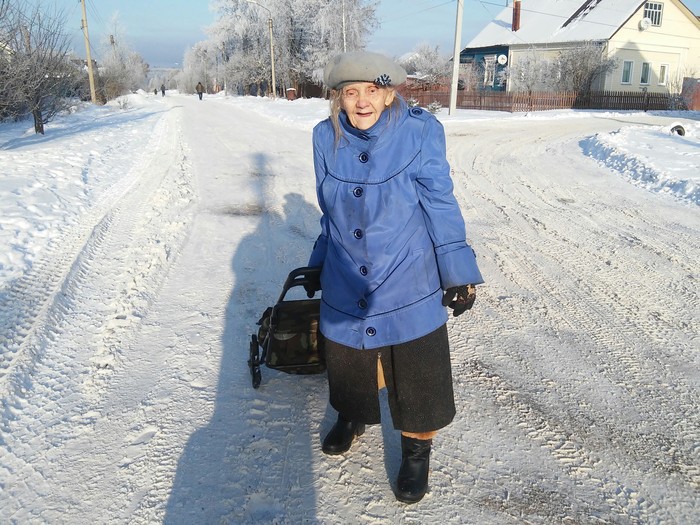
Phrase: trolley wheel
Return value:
(254, 362)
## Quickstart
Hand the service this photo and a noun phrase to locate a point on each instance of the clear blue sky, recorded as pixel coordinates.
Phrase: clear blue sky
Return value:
(161, 30)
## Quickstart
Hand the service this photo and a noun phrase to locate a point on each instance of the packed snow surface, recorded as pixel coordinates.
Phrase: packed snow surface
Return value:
(141, 241)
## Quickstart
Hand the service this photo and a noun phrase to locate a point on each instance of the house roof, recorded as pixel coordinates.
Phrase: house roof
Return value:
(555, 21)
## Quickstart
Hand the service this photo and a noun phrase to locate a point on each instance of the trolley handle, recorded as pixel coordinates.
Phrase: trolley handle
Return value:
(301, 277)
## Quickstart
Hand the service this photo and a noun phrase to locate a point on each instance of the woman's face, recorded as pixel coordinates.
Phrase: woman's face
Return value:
(364, 102)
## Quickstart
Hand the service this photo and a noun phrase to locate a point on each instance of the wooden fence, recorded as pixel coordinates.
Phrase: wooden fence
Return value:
(538, 101)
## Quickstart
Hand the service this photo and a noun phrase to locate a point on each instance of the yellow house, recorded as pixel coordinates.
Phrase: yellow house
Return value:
(655, 44)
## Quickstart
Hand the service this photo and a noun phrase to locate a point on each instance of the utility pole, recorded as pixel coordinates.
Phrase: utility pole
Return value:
(345, 44)
(91, 76)
(455, 58)
(272, 58)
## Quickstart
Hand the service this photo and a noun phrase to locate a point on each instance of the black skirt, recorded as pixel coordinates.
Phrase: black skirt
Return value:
(418, 377)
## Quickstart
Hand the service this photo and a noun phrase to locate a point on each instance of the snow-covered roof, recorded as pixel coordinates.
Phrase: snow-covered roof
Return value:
(552, 21)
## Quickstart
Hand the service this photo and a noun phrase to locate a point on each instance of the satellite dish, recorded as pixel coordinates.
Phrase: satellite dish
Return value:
(502, 59)
(644, 24)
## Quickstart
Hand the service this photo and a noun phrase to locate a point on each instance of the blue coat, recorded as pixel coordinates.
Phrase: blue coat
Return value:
(392, 235)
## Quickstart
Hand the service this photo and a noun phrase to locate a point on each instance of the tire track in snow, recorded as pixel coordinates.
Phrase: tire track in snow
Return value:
(64, 360)
(569, 450)
(521, 224)
(29, 302)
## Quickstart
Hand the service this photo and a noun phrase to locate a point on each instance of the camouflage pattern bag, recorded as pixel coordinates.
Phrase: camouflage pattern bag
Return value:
(290, 337)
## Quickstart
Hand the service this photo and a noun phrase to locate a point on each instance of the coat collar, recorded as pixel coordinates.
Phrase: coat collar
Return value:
(382, 130)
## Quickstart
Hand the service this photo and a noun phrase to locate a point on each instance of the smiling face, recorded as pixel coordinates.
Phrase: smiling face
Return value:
(364, 102)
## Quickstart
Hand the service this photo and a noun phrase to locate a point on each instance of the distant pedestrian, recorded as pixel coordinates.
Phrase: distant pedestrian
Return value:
(199, 89)
(155, 91)
(162, 89)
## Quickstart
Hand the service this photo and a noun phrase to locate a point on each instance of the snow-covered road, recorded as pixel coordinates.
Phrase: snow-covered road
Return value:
(126, 395)
(587, 333)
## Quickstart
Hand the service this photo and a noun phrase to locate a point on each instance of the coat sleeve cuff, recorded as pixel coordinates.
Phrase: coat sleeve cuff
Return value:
(318, 255)
(457, 266)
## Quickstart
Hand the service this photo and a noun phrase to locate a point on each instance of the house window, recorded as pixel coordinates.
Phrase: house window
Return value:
(627, 72)
(653, 11)
(646, 68)
(663, 74)
(489, 70)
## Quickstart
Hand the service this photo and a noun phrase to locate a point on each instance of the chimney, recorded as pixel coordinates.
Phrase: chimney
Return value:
(516, 15)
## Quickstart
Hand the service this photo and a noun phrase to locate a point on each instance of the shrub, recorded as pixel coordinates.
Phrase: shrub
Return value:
(434, 107)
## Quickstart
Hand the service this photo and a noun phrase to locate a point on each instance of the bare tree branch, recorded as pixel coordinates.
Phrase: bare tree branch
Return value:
(37, 73)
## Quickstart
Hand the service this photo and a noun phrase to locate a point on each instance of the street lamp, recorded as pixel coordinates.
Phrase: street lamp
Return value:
(272, 46)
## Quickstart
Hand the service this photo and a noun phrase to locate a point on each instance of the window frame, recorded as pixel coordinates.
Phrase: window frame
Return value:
(630, 73)
(663, 78)
(489, 70)
(646, 69)
(654, 11)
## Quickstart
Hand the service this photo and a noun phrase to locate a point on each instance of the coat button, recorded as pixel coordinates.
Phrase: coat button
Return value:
(416, 111)
(362, 303)
(371, 331)
(363, 270)
(357, 233)
(364, 157)
(357, 192)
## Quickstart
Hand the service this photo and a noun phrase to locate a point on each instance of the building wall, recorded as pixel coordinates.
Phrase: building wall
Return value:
(674, 44)
(479, 68)
(525, 57)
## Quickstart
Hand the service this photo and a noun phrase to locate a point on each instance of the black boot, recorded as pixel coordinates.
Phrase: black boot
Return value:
(412, 482)
(341, 435)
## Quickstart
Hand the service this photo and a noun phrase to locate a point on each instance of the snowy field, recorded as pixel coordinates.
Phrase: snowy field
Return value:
(140, 244)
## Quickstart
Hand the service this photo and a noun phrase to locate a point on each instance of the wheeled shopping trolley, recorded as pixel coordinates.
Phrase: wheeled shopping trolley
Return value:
(288, 338)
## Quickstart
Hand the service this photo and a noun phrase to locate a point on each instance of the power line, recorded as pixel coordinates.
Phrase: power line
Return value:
(95, 13)
(406, 15)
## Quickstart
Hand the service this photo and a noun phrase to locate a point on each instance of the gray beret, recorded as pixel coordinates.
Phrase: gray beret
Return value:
(362, 66)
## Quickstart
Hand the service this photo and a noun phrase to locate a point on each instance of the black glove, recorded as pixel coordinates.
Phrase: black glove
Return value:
(459, 298)
(313, 284)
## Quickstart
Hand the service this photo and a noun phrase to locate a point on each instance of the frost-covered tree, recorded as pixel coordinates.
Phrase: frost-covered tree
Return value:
(243, 43)
(581, 68)
(330, 27)
(36, 71)
(199, 65)
(306, 33)
(471, 76)
(531, 72)
(121, 70)
(427, 64)
(7, 93)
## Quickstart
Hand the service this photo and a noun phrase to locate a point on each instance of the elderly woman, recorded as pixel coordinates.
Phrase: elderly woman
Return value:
(393, 253)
